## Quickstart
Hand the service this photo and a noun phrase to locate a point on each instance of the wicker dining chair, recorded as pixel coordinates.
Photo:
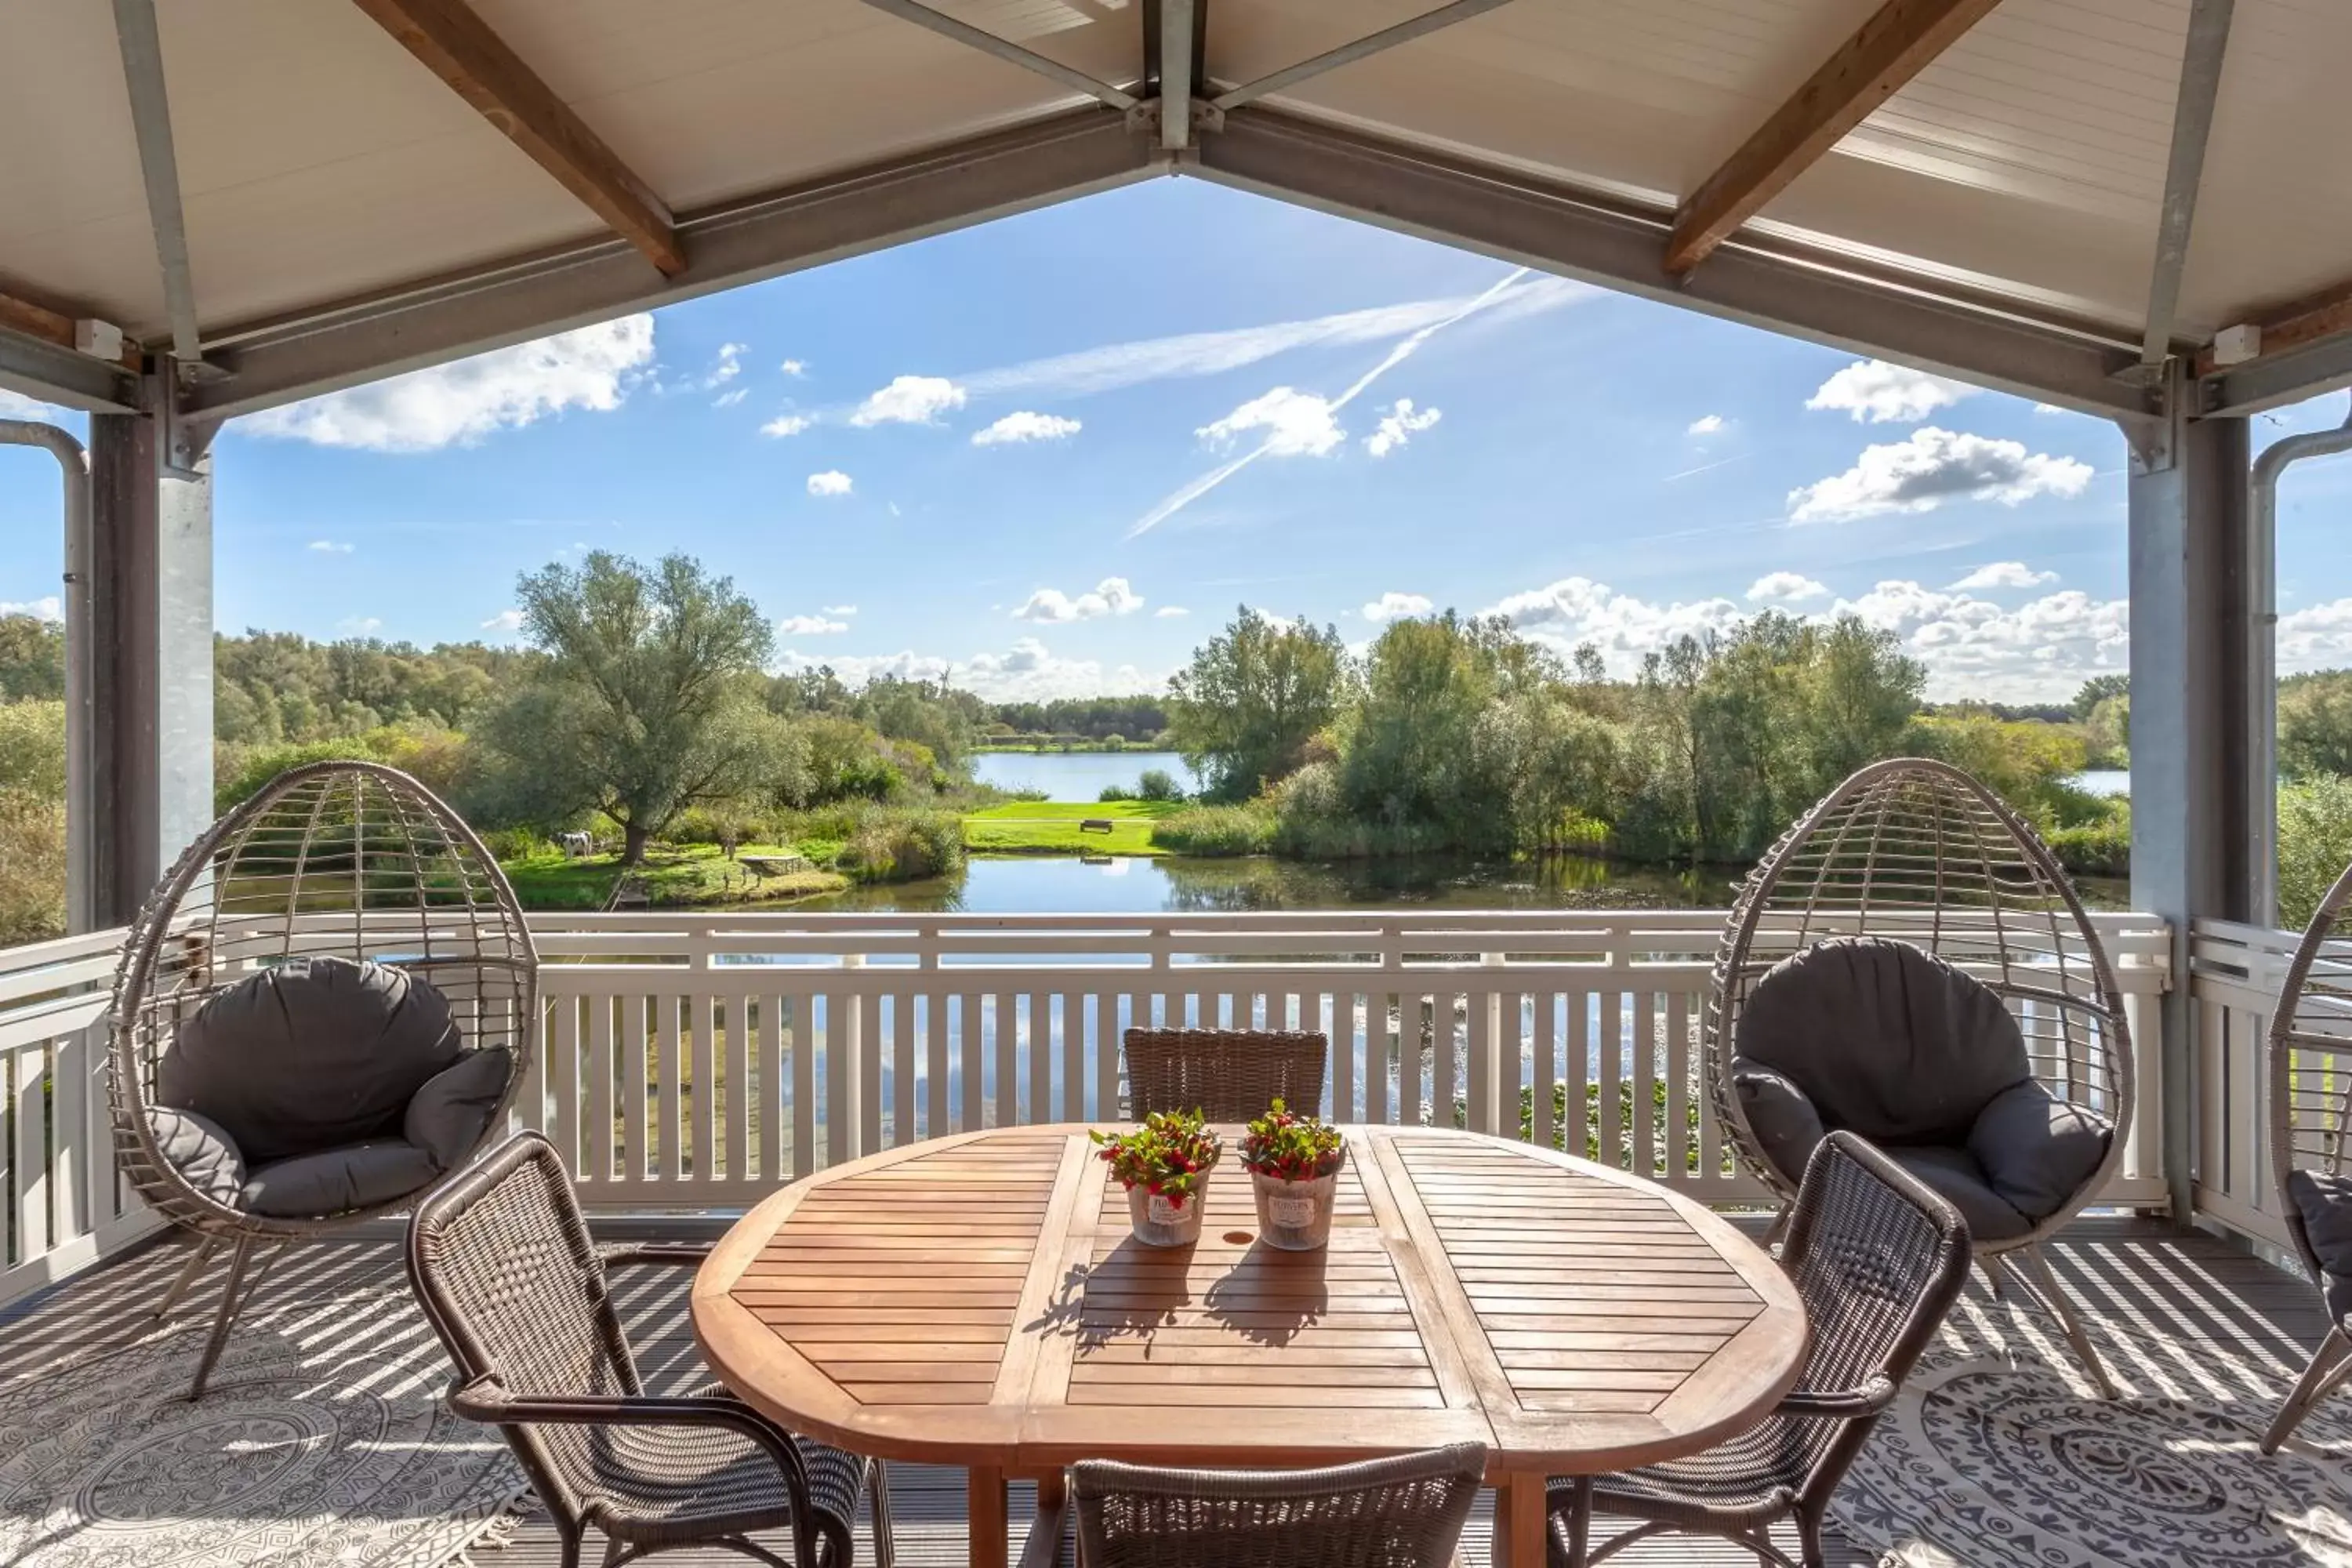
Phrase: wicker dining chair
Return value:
(502, 1264)
(1913, 940)
(1878, 1258)
(1402, 1512)
(2310, 1062)
(1227, 1075)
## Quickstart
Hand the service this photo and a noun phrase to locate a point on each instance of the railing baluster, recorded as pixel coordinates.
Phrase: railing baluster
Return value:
(803, 1022)
(699, 1093)
(636, 1157)
(969, 1009)
(772, 1097)
(562, 1070)
(1008, 1060)
(596, 1139)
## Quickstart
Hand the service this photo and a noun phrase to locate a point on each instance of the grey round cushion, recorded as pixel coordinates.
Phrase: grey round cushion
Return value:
(1886, 1041)
(310, 1054)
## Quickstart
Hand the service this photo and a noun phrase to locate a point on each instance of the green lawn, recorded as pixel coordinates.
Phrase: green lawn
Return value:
(1052, 826)
(680, 878)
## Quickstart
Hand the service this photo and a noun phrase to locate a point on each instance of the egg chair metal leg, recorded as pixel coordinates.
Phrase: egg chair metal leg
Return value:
(2034, 1269)
(200, 1252)
(232, 1301)
(1996, 1275)
(2329, 1364)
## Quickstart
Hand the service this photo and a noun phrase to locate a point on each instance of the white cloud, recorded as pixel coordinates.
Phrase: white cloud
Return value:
(909, 400)
(1115, 365)
(458, 404)
(1296, 424)
(48, 607)
(2005, 574)
(832, 482)
(1299, 419)
(1930, 466)
(504, 621)
(1111, 596)
(1393, 605)
(1025, 671)
(1883, 394)
(330, 547)
(1400, 423)
(1704, 424)
(1026, 426)
(1784, 588)
(795, 368)
(810, 626)
(360, 625)
(2042, 650)
(728, 365)
(1577, 610)
(16, 406)
(784, 425)
(2316, 638)
(1170, 612)
(841, 609)
(730, 399)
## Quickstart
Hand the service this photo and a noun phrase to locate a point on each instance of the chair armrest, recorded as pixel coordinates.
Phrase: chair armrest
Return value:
(1843, 1404)
(486, 1399)
(619, 1253)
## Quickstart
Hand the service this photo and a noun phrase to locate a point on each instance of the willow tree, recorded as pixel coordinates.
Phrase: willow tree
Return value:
(648, 701)
(1243, 711)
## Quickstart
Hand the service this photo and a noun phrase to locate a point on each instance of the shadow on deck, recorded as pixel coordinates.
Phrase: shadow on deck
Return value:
(2135, 1275)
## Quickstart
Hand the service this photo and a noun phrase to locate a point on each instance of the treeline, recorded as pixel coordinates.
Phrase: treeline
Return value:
(1460, 733)
(1096, 719)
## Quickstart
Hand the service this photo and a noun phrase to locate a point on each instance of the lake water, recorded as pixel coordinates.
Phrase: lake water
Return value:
(1075, 775)
(2104, 781)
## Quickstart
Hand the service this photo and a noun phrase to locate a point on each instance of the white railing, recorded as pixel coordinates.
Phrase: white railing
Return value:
(830, 1036)
(693, 1062)
(2236, 979)
(62, 1207)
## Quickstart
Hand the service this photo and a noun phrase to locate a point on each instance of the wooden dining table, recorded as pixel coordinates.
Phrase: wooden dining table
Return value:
(979, 1300)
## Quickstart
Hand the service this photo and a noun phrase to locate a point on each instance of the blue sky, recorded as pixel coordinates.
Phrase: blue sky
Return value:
(1047, 457)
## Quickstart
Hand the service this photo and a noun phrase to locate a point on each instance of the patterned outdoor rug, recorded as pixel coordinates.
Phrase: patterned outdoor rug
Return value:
(1999, 1452)
(322, 1439)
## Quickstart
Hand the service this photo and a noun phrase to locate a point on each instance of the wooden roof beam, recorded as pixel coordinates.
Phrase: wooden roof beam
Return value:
(1868, 70)
(459, 48)
(54, 327)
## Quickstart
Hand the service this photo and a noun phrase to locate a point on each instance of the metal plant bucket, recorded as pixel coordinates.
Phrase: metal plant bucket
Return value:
(1158, 1221)
(1295, 1215)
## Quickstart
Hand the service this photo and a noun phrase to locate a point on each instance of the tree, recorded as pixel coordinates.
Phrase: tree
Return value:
(1243, 712)
(1408, 749)
(2095, 690)
(2315, 724)
(648, 701)
(32, 659)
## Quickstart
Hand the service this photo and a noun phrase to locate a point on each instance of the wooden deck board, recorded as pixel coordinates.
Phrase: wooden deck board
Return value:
(2134, 1273)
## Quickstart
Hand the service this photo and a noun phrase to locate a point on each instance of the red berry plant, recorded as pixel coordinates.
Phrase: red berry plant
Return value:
(1170, 1155)
(1293, 1147)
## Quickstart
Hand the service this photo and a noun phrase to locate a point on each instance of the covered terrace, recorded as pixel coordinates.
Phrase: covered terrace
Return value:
(214, 207)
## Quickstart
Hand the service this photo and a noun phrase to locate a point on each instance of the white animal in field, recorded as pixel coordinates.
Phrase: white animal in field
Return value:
(576, 843)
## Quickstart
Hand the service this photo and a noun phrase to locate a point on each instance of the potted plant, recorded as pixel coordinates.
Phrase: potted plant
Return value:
(1294, 1165)
(1164, 1165)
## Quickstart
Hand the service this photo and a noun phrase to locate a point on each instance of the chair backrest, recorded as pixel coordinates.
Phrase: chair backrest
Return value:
(2311, 1058)
(502, 1266)
(1406, 1512)
(1878, 1259)
(1227, 1075)
(1918, 851)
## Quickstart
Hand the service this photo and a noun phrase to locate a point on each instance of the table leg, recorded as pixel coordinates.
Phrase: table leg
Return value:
(1519, 1521)
(985, 1516)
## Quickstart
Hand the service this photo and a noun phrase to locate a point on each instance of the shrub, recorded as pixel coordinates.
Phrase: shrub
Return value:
(32, 866)
(2101, 848)
(902, 846)
(1157, 783)
(517, 844)
(1112, 793)
(1216, 830)
(2315, 841)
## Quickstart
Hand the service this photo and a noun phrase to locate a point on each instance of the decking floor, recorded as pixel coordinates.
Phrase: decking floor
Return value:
(2135, 1274)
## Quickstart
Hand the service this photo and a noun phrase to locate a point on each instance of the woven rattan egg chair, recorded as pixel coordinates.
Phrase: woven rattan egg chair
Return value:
(2311, 1137)
(1910, 962)
(338, 969)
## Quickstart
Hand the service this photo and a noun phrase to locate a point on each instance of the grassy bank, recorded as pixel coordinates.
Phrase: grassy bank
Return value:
(1052, 827)
(685, 877)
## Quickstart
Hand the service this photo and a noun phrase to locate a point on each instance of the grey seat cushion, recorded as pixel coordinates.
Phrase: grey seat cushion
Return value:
(447, 1116)
(1781, 1115)
(336, 1180)
(204, 1155)
(1886, 1041)
(2036, 1150)
(312, 1054)
(2323, 1201)
(1953, 1171)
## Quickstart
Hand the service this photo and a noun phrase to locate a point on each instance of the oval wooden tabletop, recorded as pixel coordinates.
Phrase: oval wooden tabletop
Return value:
(978, 1300)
